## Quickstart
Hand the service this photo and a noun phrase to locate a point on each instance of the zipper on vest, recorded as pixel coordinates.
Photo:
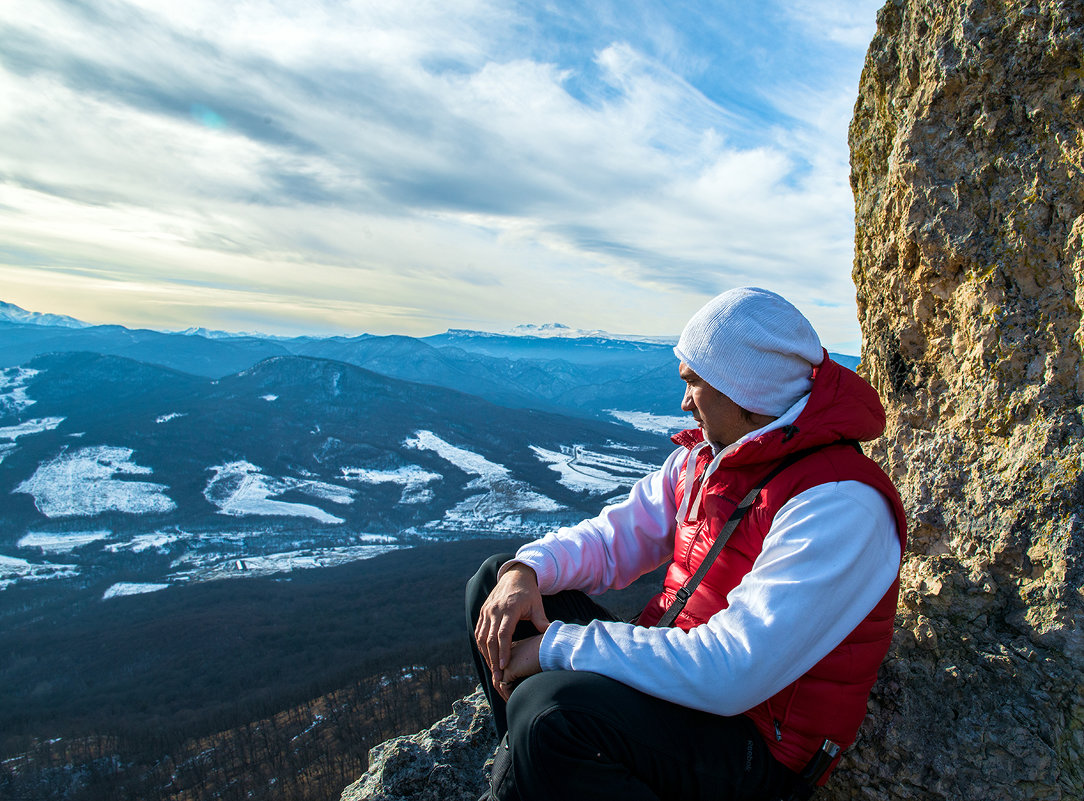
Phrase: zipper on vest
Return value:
(778, 730)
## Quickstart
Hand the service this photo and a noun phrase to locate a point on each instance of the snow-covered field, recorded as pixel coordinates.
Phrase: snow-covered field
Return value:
(13, 398)
(411, 478)
(12, 433)
(82, 483)
(200, 555)
(13, 569)
(213, 568)
(240, 489)
(654, 423)
(158, 540)
(131, 588)
(13, 401)
(501, 501)
(89, 481)
(61, 543)
(585, 470)
(8, 434)
(467, 461)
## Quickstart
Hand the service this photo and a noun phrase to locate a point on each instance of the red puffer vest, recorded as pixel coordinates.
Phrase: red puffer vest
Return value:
(830, 699)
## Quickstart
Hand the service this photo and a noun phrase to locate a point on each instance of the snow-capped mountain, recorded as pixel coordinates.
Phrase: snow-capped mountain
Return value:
(561, 331)
(10, 313)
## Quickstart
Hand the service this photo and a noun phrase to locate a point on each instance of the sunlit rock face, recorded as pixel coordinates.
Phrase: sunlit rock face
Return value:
(967, 156)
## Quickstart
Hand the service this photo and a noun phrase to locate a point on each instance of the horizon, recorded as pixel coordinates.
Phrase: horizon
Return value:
(662, 339)
(400, 168)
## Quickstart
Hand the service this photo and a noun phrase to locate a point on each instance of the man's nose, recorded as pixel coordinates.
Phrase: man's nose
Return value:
(687, 401)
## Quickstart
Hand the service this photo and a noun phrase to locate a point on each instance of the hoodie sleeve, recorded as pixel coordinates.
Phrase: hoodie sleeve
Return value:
(615, 548)
(831, 554)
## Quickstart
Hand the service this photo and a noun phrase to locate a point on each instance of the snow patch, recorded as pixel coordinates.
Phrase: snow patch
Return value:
(131, 588)
(13, 569)
(13, 398)
(502, 499)
(653, 423)
(157, 540)
(11, 564)
(268, 564)
(584, 470)
(61, 543)
(83, 484)
(412, 479)
(12, 433)
(239, 489)
(326, 492)
(467, 461)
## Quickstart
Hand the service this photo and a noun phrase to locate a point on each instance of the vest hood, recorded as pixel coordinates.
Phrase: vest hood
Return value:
(841, 405)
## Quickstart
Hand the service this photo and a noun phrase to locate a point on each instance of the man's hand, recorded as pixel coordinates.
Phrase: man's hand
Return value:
(522, 663)
(516, 597)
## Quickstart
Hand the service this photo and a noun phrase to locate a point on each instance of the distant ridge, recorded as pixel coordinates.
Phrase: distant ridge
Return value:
(11, 313)
(528, 341)
(562, 331)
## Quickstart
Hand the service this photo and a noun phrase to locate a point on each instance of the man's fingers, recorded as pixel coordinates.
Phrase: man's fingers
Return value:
(504, 641)
(481, 636)
(490, 649)
(538, 617)
(515, 598)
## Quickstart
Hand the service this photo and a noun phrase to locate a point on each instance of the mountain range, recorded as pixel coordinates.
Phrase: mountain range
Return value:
(158, 458)
(103, 458)
(552, 368)
(167, 497)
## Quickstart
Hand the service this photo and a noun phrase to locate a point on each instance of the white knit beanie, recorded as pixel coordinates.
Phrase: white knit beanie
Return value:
(754, 347)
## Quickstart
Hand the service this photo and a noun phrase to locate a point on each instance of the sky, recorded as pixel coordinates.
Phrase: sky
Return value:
(408, 166)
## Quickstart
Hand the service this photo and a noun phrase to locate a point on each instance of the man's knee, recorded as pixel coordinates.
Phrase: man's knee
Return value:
(560, 735)
(545, 707)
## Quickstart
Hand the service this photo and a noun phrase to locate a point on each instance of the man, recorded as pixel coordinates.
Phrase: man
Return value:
(777, 647)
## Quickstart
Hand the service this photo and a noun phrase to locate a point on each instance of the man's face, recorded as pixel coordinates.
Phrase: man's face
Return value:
(719, 417)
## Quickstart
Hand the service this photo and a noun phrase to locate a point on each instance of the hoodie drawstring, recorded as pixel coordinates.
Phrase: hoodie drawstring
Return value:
(689, 478)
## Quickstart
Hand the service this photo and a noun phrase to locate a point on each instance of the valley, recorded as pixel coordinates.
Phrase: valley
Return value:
(233, 583)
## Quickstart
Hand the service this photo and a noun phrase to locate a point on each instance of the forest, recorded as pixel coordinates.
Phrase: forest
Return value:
(270, 687)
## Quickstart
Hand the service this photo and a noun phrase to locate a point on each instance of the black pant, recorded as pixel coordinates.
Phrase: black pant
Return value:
(580, 735)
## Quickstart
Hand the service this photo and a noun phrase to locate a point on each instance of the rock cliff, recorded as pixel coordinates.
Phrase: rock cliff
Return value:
(968, 171)
(967, 156)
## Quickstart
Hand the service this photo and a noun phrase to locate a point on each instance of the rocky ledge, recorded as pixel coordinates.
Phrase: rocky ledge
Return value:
(447, 762)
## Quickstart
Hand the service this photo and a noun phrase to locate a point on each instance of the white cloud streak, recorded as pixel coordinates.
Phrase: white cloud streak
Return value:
(402, 167)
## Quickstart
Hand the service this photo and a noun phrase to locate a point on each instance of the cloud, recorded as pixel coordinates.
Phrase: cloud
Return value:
(416, 165)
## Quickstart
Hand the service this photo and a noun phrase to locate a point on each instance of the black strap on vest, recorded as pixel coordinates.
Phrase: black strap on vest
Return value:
(689, 587)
